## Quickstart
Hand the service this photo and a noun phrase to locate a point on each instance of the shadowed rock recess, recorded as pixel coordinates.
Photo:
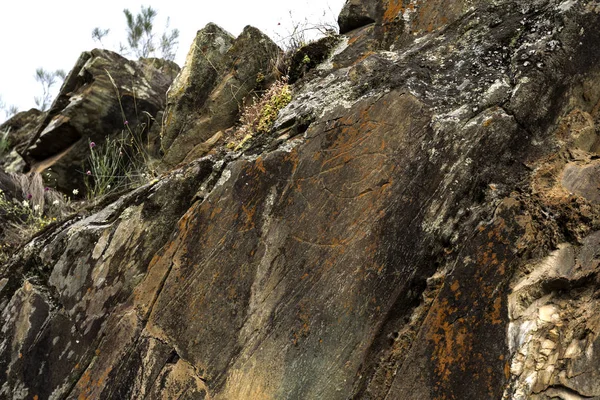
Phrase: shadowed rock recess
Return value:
(422, 222)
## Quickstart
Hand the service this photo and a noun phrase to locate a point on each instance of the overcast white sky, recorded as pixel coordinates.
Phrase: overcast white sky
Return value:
(52, 33)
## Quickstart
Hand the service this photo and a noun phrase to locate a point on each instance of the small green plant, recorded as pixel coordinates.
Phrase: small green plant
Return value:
(258, 118)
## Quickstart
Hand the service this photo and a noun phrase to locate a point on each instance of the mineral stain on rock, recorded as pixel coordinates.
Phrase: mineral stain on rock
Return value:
(421, 222)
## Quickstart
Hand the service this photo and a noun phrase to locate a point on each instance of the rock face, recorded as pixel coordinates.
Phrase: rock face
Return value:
(21, 127)
(101, 92)
(423, 222)
(219, 76)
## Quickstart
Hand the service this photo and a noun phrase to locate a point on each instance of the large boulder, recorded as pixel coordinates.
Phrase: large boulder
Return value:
(220, 75)
(356, 14)
(103, 95)
(198, 77)
(421, 223)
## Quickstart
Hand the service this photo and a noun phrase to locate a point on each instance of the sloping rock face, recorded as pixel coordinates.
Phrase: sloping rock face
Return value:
(422, 223)
(220, 74)
(102, 91)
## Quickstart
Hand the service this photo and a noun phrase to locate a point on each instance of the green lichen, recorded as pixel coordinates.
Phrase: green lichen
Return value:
(258, 118)
(269, 112)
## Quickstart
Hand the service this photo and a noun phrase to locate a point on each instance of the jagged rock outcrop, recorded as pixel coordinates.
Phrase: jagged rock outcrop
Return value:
(421, 223)
(102, 91)
(20, 129)
(219, 76)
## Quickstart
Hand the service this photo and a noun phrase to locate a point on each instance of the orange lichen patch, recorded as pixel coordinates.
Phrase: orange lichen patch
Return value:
(394, 8)
(455, 285)
(452, 340)
(496, 314)
(87, 384)
(429, 15)
(249, 214)
(357, 36)
(35, 397)
(488, 257)
(84, 385)
(260, 165)
(363, 57)
(456, 319)
(231, 293)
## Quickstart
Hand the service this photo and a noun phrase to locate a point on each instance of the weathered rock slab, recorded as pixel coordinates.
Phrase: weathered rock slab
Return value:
(220, 76)
(103, 96)
(421, 224)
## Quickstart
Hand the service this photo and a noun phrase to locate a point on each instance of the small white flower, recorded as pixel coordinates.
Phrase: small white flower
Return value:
(108, 186)
(55, 202)
(36, 207)
(75, 191)
(25, 203)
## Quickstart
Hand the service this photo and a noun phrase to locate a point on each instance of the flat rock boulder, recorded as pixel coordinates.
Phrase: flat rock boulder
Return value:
(103, 95)
(220, 74)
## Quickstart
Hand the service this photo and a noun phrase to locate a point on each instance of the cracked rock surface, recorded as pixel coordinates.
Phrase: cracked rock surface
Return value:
(423, 222)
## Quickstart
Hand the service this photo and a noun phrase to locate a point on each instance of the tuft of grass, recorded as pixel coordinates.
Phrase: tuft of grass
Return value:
(107, 168)
(26, 208)
(120, 163)
(300, 33)
(258, 118)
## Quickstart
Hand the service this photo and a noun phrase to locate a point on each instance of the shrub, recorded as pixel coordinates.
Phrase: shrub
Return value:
(47, 79)
(141, 37)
